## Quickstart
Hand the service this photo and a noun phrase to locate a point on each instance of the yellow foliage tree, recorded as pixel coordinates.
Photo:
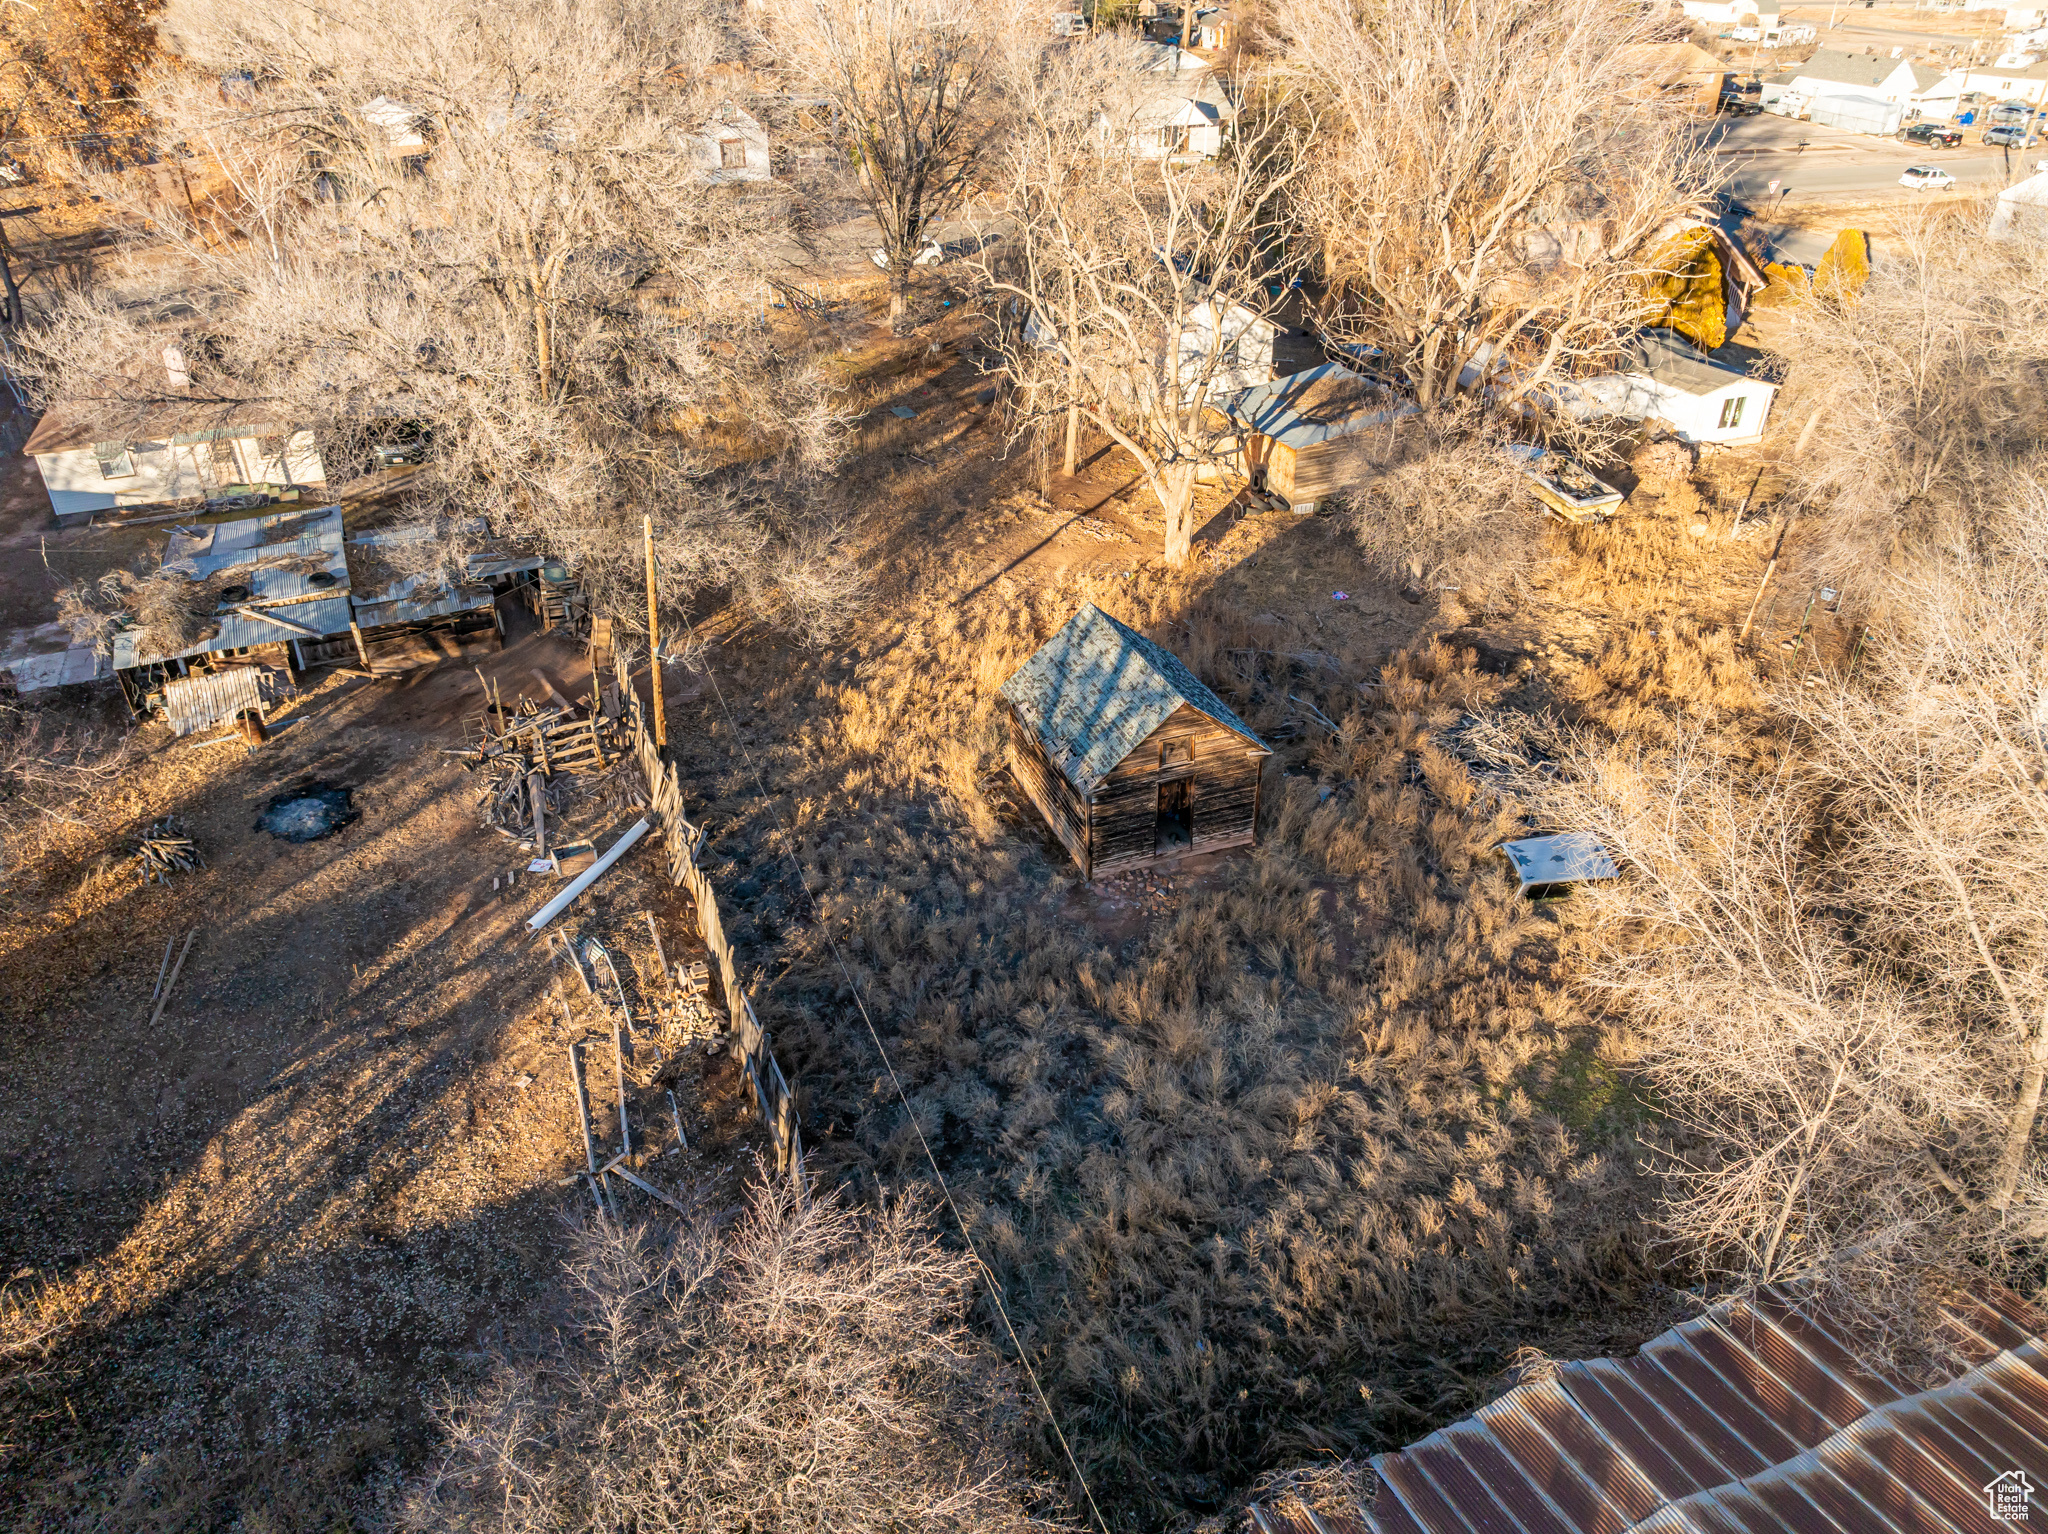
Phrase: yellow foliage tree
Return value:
(1846, 266)
(1688, 296)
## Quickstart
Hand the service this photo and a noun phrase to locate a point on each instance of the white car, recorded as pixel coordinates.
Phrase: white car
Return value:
(1927, 178)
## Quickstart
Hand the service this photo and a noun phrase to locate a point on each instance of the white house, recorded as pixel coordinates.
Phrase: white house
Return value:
(2004, 81)
(1667, 379)
(1837, 73)
(1240, 358)
(1720, 13)
(2022, 212)
(731, 146)
(1172, 106)
(167, 452)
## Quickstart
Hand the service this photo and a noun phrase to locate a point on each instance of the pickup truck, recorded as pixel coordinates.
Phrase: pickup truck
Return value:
(1931, 133)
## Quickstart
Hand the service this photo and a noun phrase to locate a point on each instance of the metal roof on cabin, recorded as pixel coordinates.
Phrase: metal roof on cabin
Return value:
(1755, 1418)
(1097, 689)
(1303, 409)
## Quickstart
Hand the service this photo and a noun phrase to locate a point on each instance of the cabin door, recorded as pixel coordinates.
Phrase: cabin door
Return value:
(1176, 829)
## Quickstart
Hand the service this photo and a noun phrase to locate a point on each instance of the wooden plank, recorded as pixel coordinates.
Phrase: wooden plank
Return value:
(652, 1191)
(583, 1109)
(537, 804)
(170, 985)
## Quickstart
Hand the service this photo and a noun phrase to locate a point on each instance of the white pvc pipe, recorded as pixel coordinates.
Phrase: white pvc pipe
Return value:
(584, 880)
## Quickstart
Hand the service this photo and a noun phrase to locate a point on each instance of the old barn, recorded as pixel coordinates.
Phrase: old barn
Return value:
(1130, 759)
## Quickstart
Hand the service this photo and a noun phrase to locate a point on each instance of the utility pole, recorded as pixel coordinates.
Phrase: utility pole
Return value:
(654, 644)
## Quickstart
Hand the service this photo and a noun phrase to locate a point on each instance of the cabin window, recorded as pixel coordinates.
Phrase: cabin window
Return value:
(1731, 412)
(732, 154)
(1174, 140)
(1176, 753)
(116, 462)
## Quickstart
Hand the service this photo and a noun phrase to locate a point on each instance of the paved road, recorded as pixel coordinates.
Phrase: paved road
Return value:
(1802, 176)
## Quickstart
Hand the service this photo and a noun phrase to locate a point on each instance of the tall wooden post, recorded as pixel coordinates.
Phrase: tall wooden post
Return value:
(654, 645)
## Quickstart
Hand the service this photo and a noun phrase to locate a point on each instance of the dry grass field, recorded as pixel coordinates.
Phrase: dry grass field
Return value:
(1278, 1156)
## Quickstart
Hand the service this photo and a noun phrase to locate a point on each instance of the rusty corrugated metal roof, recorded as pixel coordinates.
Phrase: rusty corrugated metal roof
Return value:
(1755, 1418)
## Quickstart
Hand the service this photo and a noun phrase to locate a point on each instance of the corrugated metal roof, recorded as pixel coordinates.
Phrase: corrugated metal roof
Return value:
(194, 702)
(1306, 408)
(66, 668)
(1097, 688)
(412, 605)
(236, 631)
(285, 556)
(1756, 1418)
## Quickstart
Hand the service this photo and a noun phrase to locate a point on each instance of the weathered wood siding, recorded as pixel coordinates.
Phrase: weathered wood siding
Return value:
(1124, 825)
(1331, 468)
(1279, 461)
(1058, 800)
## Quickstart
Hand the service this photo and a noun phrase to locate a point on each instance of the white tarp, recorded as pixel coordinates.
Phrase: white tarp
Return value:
(1857, 114)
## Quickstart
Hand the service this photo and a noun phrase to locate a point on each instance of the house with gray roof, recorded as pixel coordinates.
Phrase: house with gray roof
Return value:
(1704, 397)
(1132, 761)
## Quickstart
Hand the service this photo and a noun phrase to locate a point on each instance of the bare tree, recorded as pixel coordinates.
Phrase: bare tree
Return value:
(1136, 283)
(1912, 385)
(1802, 1090)
(916, 106)
(1936, 767)
(811, 1369)
(1839, 964)
(1493, 190)
(1439, 503)
(493, 243)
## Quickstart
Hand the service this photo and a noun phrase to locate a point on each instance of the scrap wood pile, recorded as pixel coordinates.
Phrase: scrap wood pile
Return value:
(542, 764)
(636, 1007)
(167, 847)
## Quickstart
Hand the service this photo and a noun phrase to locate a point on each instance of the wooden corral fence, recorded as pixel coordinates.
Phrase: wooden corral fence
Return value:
(682, 839)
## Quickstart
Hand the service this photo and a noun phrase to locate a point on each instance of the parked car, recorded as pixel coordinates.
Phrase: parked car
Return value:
(2016, 137)
(1931, 133)
(1927, 178)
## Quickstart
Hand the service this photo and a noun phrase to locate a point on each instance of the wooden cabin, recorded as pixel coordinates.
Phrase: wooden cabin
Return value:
(1130, 759)
(1308, 436)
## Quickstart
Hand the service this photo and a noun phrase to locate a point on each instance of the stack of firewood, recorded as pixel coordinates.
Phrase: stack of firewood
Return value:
(167, 847)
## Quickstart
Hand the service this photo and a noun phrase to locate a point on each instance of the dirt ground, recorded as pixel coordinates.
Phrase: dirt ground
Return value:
(284, 1217)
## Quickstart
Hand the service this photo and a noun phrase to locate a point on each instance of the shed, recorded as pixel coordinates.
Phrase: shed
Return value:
(275, 582)
(1130, 759)
(1304, 437)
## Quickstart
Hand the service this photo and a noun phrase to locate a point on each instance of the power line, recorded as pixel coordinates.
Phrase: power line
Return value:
(994, 1289)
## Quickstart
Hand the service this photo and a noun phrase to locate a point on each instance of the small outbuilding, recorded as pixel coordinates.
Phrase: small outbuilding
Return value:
(1306, 437)
(1704, 397)
(1130, 759)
